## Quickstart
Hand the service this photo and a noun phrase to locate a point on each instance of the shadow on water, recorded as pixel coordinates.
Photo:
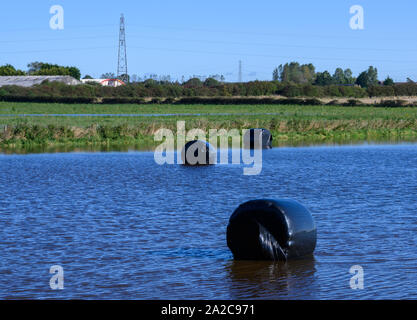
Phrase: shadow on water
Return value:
(272, 280)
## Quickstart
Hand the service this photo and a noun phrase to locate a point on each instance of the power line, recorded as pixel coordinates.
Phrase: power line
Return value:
(216, 42)
(273, 56)
(223, 31)
(3, 30)
(57, 39)
(58, 50)
(273, 44)
(371, 60)
(274, 34)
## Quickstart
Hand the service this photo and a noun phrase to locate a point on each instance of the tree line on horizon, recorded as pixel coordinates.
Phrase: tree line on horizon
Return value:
(41, 69)
(292, 73)
(290, 80)
(306, 74)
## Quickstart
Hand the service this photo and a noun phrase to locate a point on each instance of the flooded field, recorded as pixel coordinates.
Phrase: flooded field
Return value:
(123, 227)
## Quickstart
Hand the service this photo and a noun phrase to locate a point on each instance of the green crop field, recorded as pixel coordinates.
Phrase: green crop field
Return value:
(284, 111)
(290, 124)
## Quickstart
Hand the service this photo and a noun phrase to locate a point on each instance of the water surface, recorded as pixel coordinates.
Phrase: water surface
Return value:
(123, 227)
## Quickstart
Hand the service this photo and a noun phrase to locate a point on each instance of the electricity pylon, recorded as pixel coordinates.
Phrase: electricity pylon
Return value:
(122, 62)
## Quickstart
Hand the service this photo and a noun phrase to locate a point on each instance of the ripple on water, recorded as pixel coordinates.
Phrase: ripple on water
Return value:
(125, 228)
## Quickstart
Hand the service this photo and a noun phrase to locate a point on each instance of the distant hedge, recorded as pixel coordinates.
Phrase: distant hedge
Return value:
(237, 101)
(160, 91)
(41, 99)
(208, 101)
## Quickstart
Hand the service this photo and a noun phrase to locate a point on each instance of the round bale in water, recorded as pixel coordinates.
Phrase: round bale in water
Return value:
(271, 230)
(198, 153)
(252, 134)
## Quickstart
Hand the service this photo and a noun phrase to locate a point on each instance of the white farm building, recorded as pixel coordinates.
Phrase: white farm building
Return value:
(105, 82)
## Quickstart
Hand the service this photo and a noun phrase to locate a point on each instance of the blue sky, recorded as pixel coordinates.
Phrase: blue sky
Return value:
(194, 37)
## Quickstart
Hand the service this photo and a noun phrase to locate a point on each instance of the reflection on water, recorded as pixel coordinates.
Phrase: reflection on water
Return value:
(272, 280)
(149, 145)
(145, 146)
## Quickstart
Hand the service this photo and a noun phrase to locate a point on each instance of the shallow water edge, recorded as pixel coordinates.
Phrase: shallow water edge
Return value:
(149, 146)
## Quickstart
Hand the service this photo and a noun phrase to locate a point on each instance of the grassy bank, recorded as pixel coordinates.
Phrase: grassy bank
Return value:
(289, 124)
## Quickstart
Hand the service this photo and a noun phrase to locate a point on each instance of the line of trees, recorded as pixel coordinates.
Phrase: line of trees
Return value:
(290, 80)
(134, 78)
(9, 70)
(197, 88)
(41, 69)
(289, 73)
(306, 74)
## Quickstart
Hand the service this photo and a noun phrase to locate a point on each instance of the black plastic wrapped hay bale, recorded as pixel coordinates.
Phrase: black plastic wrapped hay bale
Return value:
(198, 153)
(271, 230)
(250, 135)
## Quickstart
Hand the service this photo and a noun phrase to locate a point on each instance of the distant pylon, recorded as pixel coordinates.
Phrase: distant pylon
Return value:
(122, 62)
(240, 71)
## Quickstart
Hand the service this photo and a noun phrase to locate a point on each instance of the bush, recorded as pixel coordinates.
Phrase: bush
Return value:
(122, 100)
(381, 91)
(3, 92)
(405, 89)
(333, 103)
(392, 103)
(313, 102)
(352, 103)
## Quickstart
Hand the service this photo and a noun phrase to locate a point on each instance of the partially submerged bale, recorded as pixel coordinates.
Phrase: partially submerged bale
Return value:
(271, 230)
(198, 153)
(257, 138)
